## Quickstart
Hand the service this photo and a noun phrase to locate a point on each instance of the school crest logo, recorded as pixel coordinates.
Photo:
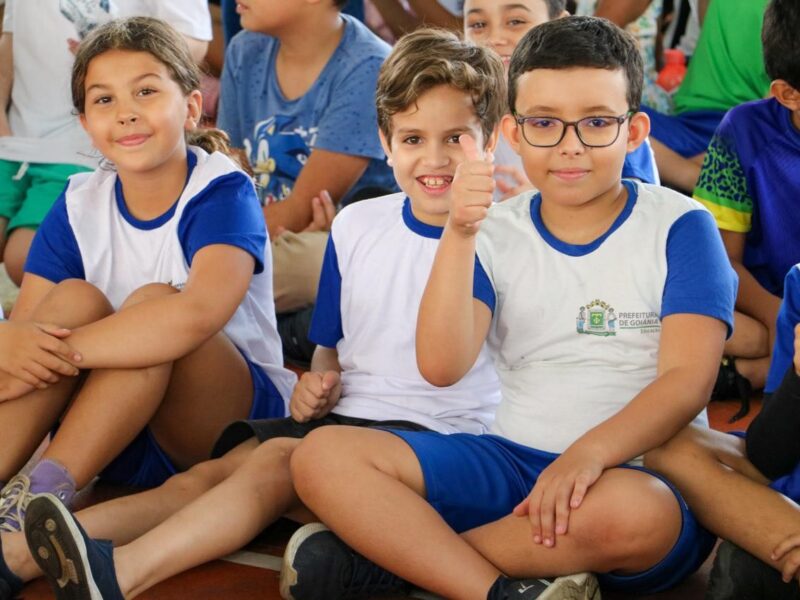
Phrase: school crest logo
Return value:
(596, 318)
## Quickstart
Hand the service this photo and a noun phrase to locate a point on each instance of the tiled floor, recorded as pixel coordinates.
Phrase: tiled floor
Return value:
(252, 573)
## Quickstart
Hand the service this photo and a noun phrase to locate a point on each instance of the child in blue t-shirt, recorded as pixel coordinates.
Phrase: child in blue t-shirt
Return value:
(749, 183)
(561, 470)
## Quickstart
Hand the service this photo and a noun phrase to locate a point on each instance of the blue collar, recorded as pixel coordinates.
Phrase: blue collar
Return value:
(417, 226)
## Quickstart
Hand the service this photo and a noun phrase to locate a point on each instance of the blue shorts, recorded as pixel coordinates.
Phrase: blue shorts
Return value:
(472, 480)
(145, 464)
(687, 133)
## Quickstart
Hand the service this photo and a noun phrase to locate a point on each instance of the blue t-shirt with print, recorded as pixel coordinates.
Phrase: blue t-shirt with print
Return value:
(336, 114)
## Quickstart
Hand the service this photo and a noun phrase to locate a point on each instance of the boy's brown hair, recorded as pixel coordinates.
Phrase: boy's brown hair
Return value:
(430, 57)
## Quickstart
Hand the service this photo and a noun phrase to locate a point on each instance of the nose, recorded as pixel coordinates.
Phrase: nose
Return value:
(436, 155)
(127, 119)
(126, 113)
(497, 37)
(571, 143)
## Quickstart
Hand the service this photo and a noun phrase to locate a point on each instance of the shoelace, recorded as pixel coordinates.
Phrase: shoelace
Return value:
(13, 504)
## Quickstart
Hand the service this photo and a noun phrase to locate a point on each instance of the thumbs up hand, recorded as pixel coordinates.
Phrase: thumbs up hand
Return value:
(473, 186)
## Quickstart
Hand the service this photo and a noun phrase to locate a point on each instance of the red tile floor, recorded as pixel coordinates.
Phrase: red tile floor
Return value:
(253, 573)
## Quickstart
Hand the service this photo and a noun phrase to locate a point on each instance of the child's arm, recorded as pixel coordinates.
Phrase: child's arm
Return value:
(318, 391)
(324, 170)
(6, 80)
(689, 353)
(452, 326)
(752, 299)
(165, 328)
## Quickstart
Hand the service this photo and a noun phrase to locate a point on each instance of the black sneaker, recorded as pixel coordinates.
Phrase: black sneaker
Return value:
(318, 565)
(737, 575)
(732, 385)
(581, 586)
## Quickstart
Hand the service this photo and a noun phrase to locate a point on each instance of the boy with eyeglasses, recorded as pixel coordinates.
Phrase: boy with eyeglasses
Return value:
(558, 487)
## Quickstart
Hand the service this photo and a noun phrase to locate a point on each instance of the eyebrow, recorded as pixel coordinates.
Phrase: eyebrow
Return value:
(503, 7)
(411, 130)
(103, 86)
(599, 109)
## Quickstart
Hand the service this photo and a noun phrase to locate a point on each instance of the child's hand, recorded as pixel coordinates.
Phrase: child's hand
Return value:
(323, 210)
(519, 181)
(12, 388)
(559, 489)
(797, 349)
(315, 395)
(33, 352)
(788, 552)
(473, 186)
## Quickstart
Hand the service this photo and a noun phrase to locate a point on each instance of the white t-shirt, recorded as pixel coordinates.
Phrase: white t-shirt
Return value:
(575, 328)
(45, 130)
(90, 234)
(375, 269)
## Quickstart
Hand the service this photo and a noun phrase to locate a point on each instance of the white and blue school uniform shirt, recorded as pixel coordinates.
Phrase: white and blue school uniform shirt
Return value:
(336, 114)
(375, 269)
(563, 367)
(90, 234)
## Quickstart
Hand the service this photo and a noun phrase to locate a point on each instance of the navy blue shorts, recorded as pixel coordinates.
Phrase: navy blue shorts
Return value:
(145, 464)
(687, 133)
(472, 480)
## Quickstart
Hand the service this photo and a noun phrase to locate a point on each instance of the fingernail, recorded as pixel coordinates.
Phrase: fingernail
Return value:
(561, 529)
(537, 539)
(548, 542)
(77, 356)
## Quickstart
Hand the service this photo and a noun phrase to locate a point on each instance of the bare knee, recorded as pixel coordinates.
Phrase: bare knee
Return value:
(636, 519)
(201, 477)
(147, 292)
(323, 451)
(72, 303)
(268, 464)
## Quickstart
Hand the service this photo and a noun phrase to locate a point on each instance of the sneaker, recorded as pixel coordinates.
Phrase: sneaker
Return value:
(581, 586)
(76, 566)
(10, 584)
(732, 385)
(318, 565)
(14, 499)
(738, 575)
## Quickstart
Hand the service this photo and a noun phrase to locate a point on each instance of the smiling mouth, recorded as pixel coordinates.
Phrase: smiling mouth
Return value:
(436, 182)
(570, 174)
(132, 140)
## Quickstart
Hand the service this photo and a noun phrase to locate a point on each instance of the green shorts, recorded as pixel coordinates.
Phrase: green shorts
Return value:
(28, 190)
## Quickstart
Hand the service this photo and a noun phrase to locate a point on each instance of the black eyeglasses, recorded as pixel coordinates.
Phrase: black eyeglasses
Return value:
(593, 132)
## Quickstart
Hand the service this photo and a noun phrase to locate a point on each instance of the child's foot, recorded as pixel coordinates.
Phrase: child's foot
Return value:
(317, 564)
(582, 586)
(10, 584)
(14, 499)
(76, 566)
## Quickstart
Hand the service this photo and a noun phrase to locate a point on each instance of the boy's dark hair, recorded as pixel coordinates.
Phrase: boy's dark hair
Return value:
(555, 7)
(779, 36)
(430, 57)
(578, 42)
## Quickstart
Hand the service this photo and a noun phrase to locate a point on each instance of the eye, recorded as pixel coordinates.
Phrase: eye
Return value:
(146, 91)
(599, 122)
(540, 123)
(412, 140)
(453, 139)
(476, 25)
(101, 100)
(517, 22)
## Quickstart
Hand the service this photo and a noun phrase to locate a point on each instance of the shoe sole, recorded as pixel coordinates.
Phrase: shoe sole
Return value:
(288, 574)
(58, 548)
(583, 586)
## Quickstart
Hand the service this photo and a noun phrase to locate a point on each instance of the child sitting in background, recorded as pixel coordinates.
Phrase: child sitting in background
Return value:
(750, 183)
(128, 266)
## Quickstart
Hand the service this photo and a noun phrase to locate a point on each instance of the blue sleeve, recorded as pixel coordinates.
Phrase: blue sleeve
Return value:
(788, 318)
(225, 212)
(349, 124)
(640, 165)
(700, 279)
(228, 119)
(482, 288)
(54, 253)
(326, 322)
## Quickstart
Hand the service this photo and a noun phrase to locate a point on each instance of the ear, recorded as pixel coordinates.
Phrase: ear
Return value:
(491, 142)
(564, 13)
(194, 109)
(510, 129)
(785, 94)
(638, 130)
(387, 147)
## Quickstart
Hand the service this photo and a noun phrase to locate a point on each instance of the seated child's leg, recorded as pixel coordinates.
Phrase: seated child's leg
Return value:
(750, 346)
(368, 486)
(217, 523)
(726, 492)
(25, 422)
(185, 406)
(12, 194)
(296, 260)
(15, 253)
(124, 519)
(675, 170)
